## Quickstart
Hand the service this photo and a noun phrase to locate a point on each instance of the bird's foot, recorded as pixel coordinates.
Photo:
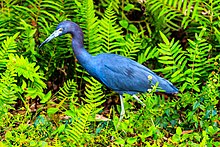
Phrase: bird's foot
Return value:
(142, 103)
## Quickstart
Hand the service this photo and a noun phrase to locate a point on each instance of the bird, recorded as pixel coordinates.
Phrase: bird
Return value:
(121, 74)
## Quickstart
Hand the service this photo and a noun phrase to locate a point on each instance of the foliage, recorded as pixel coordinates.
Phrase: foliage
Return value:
(48, 99)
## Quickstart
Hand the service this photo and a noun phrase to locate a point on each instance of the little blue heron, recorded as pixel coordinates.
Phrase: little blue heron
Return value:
(118, 73)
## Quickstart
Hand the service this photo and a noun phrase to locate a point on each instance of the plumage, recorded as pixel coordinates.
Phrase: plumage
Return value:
(124, 75)
(119, 73)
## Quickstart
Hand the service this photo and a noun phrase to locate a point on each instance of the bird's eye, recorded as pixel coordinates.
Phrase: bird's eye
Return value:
(60, 29)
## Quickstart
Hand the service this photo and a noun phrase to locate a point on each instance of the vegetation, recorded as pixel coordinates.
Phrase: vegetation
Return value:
(47, 99)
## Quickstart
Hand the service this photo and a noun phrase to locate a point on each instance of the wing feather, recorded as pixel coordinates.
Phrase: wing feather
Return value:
(124, 75)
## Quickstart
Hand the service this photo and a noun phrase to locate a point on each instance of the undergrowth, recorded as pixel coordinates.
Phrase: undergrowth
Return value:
(48, 99)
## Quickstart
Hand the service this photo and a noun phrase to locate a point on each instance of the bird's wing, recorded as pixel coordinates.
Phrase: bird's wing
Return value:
(125, 75)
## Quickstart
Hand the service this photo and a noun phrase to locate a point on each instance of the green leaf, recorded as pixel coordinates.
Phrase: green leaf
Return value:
(120, 141)
(196, 105)
(165, 58)
(132, 28)
(128, 7)
(169, 62)
(46, 97)
(164, 38)
(24, 85)
(8, 135)
(1, 143)
(175, 138)
(132, 140)
(189, 80)
(183, 87)
(52, 111)
(78, 3)
(196, 88)
(178, 131)
(176, 73)
(61, 128)
(197, 136)
(123, 23)
(32, 92)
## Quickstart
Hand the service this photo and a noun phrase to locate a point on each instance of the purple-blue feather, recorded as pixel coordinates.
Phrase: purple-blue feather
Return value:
(119, 73)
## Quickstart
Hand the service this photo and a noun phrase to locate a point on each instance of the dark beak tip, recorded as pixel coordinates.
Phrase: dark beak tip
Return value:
(53, 35)
(42, 44)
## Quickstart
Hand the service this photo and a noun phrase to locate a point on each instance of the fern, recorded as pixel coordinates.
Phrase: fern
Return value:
(94, 93)
(38, 20)
(9, 87)
(82, 116)
(186, 66)
(132, 46)
(89, 23)
(28, 70)
(114, 3)
(175, 11)
(86, 113)
(47, 8)
(71, 9)
(198, 58)
(80, 122)
(7, 20)
(8, 92)
(8, 74)
(28, 41)
(8, 46)
(185, 14)
(18, 69)
(172, 55)
(110, 33)
(68, 91)
(148, 53)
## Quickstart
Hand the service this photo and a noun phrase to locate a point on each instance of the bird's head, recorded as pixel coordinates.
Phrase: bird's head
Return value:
(62, 28)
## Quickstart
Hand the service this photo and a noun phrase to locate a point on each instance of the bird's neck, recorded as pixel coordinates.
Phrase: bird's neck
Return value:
(78, 48)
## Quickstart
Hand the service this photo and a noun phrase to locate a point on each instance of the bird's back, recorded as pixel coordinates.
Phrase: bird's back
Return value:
(124, 75)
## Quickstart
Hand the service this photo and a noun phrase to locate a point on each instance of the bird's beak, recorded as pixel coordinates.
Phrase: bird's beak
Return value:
(52, 36)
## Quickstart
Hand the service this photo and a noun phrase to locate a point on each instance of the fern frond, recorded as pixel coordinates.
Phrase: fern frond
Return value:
(199, 66)
(75, 130)
(28, 70)
(8, 46)
(71, 9)
(8, 88)
(110, 33)
(68, 91)
(132, 46)
(85, 113)
(89, 23)
(8, 73)
(186, 66)
(148, 53)
(45, 8)
(28, 41)
(38, 18)
(93, 91)
(114, 3)
(173, 57)
(175, 11)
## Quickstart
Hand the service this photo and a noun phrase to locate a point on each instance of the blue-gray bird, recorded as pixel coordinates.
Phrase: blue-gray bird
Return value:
(118, 73)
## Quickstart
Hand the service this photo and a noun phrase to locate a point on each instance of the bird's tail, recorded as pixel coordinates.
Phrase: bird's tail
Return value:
(167, 86)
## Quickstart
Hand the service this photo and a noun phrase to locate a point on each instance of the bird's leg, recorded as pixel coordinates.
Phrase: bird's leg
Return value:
(122, 108)
(138, 100)
(121, 114)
